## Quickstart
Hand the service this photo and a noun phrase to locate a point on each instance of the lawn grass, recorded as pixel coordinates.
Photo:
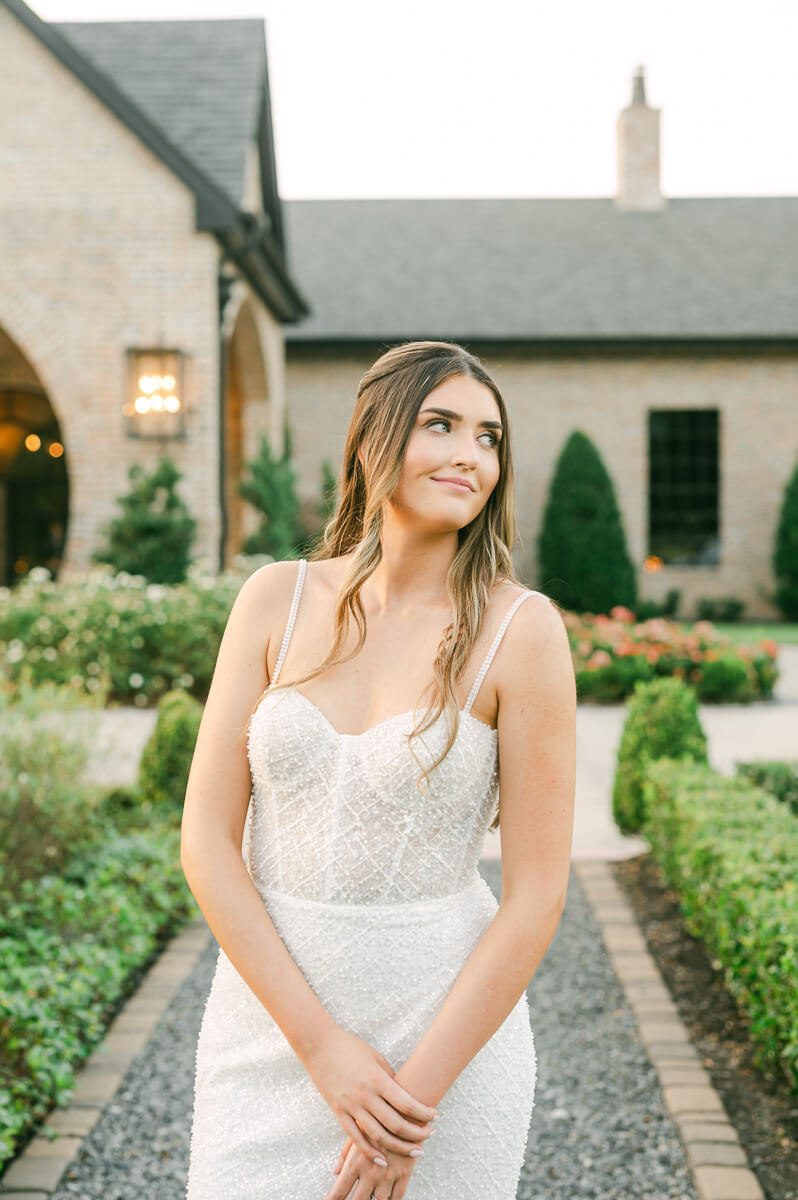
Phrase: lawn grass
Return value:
(745, 632)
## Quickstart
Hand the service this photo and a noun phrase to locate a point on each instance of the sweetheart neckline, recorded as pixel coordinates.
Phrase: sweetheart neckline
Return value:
(380, 724)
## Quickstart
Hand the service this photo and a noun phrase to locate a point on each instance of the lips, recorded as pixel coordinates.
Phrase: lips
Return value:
(462, 485)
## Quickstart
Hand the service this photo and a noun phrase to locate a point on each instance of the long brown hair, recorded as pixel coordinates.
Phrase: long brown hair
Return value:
(389, 397)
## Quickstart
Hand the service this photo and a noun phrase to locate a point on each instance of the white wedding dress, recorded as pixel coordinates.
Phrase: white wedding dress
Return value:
(375, 891)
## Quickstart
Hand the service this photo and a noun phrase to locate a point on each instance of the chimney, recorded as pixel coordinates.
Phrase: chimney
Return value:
(638, 153)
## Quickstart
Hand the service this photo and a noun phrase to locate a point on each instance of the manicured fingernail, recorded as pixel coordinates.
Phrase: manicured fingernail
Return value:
(380, 1162)
(433, 1130)
(416, 1153)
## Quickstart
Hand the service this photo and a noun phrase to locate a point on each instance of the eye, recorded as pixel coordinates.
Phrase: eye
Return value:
(494, 438)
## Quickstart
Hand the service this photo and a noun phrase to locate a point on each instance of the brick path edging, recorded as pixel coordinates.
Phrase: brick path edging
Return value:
(36, 1173)
(719, 1164)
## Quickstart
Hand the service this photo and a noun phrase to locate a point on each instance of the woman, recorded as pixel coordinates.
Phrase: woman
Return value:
(368, 987)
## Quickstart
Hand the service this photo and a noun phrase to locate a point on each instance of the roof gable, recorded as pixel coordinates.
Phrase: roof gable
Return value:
(254, 243)
(198, 81)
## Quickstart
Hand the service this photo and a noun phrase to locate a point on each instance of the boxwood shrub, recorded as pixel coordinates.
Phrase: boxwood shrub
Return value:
(662, 721)
(730, 850)
(166, 759)
(778, 778)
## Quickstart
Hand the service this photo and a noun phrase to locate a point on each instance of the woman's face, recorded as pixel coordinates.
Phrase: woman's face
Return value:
(456, 436)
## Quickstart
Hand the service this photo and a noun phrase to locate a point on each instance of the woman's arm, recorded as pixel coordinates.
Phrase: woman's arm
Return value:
(537, 753)
(351, 1076)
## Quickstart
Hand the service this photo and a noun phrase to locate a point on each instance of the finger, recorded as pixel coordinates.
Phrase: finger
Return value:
(396, 1124)
(401, 1099)
(342, 1156)
(372, 1153)
(378, 1136)
(343, 1185)
(368, 1186)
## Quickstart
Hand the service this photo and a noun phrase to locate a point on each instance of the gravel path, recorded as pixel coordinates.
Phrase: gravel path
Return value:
(599, 1128)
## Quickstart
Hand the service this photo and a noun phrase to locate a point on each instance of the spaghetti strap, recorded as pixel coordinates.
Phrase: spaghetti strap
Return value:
(483, 670)
(289, 629)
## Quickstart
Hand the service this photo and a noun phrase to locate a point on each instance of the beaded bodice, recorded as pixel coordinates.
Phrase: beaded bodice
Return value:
(338, 818)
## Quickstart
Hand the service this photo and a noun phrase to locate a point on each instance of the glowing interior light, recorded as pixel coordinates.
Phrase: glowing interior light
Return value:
(142, 404)
(168, 383)
(32, 441)
(172, 404)
(653, 563)
(157, 402)
(55, 449)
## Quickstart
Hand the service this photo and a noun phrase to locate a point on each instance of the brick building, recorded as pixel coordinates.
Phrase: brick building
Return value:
(142, 237)
(144, 288)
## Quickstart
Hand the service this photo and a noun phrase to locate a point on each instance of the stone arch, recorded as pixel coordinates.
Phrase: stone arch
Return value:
(34, 467)
(247, 412)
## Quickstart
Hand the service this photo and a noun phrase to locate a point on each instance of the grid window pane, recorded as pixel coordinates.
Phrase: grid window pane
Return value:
(684, 486)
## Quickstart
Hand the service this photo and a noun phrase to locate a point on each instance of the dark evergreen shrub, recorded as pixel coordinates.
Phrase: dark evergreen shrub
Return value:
(662, 722)
(645, 609)
(153, 535)
(785, 552)
(583, 562)
(271, 489)
(719, 608)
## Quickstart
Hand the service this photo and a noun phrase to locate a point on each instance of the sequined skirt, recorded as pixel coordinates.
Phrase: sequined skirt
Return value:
(261, 1130)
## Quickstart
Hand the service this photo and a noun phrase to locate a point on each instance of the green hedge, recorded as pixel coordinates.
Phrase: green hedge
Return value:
(68, 947)
(91, 885)
(778, 778)
(730, 850)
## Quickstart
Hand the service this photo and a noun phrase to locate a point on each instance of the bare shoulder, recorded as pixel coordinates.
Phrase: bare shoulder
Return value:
(271, 584)
(535, 643)
(537, 616)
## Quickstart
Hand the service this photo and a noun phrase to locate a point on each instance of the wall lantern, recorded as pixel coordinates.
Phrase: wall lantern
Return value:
(155, 405)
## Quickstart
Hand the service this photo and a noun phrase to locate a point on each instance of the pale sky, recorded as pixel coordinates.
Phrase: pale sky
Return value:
(512, 97)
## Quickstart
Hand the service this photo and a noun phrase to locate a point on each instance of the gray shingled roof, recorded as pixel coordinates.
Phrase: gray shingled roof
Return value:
(544, 268)
(200, 81)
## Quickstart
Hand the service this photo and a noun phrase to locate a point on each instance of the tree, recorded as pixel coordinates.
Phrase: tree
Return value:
(154, 533)
(785, 551)
(271, 489)
(583, 560)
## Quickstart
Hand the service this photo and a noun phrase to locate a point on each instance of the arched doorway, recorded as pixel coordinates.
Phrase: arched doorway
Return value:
(34, 484)
(246, 419)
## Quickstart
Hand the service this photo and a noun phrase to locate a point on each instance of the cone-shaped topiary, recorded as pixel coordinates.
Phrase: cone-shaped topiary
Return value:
(583, 562)
(271, 489)
(785, 551)
(662, 722)
(153, 535)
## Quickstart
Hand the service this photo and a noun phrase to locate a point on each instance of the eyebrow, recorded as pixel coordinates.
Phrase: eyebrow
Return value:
(456, 416)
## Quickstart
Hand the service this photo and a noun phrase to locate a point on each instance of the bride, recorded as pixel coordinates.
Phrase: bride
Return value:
(368, 986)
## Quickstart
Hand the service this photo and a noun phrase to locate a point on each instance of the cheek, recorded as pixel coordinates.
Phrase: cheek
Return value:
(419, 455)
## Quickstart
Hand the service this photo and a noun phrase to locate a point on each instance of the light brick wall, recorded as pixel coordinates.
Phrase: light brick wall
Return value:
(98, 252)
(608, 398)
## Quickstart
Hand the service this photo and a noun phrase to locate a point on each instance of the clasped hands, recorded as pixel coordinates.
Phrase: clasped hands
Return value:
(384, 1124)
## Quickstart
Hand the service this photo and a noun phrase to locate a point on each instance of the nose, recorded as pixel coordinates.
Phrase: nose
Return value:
(464, 454)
